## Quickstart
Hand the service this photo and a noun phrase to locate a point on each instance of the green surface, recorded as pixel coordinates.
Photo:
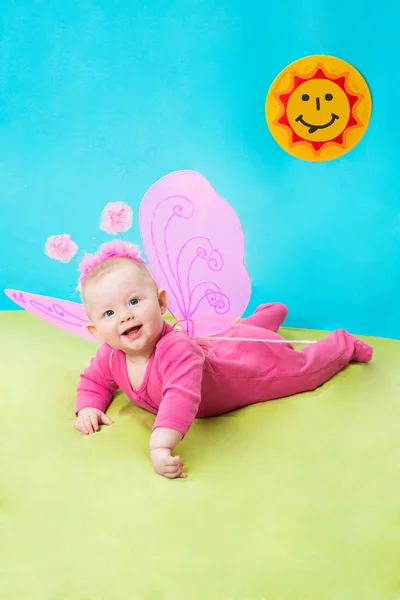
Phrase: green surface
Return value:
(297, 499)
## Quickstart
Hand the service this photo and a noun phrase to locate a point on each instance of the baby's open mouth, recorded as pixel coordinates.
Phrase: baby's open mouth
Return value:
(132, 331)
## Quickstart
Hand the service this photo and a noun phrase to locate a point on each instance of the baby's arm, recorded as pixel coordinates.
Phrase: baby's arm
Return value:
(95, 391)
(180, 365)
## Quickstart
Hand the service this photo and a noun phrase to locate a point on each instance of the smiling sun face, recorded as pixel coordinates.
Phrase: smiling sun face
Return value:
(318, 108)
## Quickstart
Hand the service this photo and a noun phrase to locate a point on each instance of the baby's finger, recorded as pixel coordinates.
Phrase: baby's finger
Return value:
(79, 426)
(174, 469)
(177, 475)
(88, 425)
(172, 475)
(173, 461)
(94, 422)
(106, 420)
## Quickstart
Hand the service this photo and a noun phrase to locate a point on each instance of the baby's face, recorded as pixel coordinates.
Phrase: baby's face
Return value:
(125, 308)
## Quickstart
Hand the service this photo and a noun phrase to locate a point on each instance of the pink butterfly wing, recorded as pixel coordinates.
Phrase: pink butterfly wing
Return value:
(194, 244)
(66, 315)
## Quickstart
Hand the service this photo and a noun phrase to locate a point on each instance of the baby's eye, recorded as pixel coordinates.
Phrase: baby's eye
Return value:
(133, 301)
(109, 313)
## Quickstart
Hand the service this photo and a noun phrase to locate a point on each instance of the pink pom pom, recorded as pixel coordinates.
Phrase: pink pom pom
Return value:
(117, 217)
(116, 248)
(61, 247)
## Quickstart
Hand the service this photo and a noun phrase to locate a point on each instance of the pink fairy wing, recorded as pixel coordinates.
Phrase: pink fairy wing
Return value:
(66, 315)
(194, 245)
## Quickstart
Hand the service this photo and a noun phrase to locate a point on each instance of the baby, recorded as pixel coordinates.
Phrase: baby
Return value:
(176, 377)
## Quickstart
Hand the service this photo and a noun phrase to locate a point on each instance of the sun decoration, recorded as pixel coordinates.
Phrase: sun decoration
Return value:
(318, 108)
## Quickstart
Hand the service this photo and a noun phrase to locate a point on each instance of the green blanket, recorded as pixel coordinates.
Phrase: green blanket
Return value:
(296, 499)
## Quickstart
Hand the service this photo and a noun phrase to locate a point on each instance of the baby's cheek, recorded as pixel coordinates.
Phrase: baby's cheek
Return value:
(109, 330)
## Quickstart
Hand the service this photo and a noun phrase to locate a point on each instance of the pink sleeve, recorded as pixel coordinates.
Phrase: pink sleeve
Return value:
(96, 386)
(180, 364)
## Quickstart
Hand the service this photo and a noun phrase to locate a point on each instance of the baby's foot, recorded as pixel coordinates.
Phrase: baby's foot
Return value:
(362, 352)
(273, 315)
(275, 308)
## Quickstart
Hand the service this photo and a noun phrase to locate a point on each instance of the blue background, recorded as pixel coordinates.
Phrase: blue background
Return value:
(99, 99)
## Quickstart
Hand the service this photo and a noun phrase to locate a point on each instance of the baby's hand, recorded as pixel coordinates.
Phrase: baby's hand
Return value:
(90, 419)
(165, 464)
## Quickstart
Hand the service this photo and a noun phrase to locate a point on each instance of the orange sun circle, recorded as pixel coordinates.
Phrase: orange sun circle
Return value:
(318, 108)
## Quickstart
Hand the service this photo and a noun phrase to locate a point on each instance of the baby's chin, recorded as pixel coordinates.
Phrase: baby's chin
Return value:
(138, 342)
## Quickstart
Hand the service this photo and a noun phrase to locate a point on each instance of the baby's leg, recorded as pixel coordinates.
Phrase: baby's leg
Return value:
(268, 316)
(307, 369)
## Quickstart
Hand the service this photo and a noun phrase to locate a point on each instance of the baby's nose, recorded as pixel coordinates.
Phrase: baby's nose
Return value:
(126, 317)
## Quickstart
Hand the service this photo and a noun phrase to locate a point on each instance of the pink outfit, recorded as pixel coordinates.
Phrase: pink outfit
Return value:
(186, 379)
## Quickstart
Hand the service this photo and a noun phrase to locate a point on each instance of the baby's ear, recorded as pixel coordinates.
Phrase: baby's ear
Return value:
(93, 330)
(163, 300)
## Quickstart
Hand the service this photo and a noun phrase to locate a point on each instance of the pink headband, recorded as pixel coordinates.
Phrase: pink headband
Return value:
(116, 248)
